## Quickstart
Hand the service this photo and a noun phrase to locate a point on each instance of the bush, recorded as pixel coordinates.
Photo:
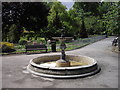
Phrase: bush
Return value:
(10, 45)
(22, 42)
(7, 47)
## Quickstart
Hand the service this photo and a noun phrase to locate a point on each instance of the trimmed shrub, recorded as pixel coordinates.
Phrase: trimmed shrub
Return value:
(22, 42)
(6, 47)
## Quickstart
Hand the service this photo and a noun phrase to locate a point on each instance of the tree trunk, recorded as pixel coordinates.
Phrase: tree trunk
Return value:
(83, 32)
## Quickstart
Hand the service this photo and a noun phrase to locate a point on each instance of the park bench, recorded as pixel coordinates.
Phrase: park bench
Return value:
(35, 47)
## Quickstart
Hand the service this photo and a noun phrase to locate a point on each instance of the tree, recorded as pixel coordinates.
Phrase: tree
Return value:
(94, 25)
(110, 18)
(79, 7)
(30, 15)
(73, 22)
(11, 14)
(13, 34)
(35, 16)
(83, 32)
(56, 18)
(99, 18)
(87, 7)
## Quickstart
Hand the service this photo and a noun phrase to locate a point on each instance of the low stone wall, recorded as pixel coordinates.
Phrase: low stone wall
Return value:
(35, 67)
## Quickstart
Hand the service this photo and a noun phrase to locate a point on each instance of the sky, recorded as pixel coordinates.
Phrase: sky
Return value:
(67, 3)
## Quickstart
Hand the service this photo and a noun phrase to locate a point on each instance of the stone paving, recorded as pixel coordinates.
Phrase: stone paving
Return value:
(15, 75)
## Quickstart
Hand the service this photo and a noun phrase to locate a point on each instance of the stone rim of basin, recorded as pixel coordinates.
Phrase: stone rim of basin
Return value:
(62, 72)
(75, 67)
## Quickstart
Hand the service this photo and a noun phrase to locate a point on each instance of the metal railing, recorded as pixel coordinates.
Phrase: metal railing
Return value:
(90, 39)
(82, 42)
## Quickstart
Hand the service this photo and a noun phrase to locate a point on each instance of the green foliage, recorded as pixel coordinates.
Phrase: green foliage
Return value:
(35, 16)
(10, 45)
(99, 18)
(46, 19)
(94, 25)
(110, 19)
(40, 40)
(57, 18)
(16, 15)
(73, 22)
(87, 8)
(19, 47)
(22, 42)
(13, 34)
(6, 47)
(81, 14)
(83, 32)
(11, 13)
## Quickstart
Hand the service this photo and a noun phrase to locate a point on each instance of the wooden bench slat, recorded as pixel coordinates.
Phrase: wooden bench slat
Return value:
(35, 47)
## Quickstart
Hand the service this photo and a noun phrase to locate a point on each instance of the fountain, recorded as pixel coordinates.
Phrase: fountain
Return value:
(63, 66)
(63, 62)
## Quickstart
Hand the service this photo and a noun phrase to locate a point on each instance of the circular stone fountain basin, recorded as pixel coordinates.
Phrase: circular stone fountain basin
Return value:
(81, 66)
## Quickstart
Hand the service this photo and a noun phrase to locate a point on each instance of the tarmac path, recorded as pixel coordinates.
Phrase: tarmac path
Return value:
(15, 75)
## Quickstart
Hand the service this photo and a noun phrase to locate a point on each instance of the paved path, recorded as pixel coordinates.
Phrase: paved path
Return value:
(15, 74)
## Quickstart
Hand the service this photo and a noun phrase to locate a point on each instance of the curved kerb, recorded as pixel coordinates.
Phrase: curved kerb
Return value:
(66, 76)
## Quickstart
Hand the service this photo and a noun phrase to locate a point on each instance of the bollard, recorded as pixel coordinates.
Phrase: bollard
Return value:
(53, 45)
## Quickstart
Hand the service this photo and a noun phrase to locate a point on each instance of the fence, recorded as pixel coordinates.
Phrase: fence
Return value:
(90, 39)
(82, 42)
